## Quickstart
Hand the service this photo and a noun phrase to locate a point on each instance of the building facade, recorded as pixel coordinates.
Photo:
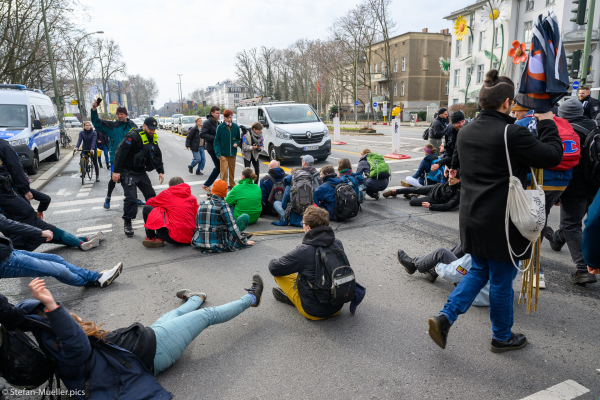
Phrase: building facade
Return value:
(226, 95)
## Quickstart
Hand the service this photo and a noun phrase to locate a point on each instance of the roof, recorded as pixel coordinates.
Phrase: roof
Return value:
(467, 10)
(413, 33)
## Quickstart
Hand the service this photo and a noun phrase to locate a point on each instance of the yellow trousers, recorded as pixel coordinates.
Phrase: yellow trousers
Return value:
(286, 283)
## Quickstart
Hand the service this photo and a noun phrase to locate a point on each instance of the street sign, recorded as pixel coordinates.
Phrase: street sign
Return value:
(374, 104)
(356, 103)
(73, 102)
(576, 85)
(384, 107)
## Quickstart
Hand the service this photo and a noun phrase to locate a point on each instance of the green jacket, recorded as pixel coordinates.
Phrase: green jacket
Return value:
(224, 140)
(114, 130)
(246, 197)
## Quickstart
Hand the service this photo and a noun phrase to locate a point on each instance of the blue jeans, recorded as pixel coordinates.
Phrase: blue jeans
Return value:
(28, 264)
(500, 274)
(178, 328)
(105, 152)
(278, 206)
(216, 170)
(199, 158)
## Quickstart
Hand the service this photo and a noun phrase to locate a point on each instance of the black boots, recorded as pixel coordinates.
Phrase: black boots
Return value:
(517, 341)
(128, 228)
(407, 262)
(549, 235)
(438, 329)
(281, 296)
(256, 289)
(582, 277)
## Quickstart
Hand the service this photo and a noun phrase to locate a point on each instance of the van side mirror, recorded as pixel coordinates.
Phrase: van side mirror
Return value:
(265, 124)
(37, 124)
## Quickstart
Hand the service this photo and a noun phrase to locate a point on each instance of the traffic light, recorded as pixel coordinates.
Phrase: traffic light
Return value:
(579, 12)
(151, 102)
(574, 63)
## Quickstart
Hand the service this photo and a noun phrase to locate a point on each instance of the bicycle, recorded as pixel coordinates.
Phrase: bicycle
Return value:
(65, 140)
(85, 165)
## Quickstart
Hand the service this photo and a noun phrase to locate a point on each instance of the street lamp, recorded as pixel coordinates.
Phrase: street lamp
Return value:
(180, 93)
(79, 85)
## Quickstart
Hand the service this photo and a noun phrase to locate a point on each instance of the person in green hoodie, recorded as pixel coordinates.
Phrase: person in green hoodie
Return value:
(246, 197)
(227, 141)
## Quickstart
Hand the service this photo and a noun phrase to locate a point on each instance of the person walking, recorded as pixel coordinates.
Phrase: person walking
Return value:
(485, 185)
(252, 146)
(208, 133)
(437, 129)
(88, 142)
(101, 146)
(226, 143)
(195, 143)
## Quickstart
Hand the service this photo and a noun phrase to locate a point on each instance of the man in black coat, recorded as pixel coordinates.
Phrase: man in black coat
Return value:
(439, 197)
(13, 179)
(591, 106)
(195, 143)
(208, 133)
(576, 198)
(485, 183)
(437, 129)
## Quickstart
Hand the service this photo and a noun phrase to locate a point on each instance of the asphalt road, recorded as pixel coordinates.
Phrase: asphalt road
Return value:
(272, 352)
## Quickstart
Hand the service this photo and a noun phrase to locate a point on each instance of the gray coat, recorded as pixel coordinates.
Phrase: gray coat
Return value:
(248, 152)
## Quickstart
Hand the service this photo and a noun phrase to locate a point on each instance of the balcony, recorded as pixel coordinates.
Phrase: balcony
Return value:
(379, 99)
(578, 35)
(379, 77)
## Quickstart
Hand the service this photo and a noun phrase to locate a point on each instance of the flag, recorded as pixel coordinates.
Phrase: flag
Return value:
(545, 78)
(318, 86)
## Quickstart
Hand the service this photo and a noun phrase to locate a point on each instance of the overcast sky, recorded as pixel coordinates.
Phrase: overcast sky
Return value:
(199, 39)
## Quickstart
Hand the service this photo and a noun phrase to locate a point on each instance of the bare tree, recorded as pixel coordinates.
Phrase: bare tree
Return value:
(244, 69)
(110, 67)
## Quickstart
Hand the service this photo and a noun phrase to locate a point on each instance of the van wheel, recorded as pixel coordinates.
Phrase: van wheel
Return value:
(56, 155)
(33, 168)
(272, 153)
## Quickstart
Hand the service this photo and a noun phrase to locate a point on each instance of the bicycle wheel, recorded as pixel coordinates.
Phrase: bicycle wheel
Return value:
(89, 170)
(82, 169)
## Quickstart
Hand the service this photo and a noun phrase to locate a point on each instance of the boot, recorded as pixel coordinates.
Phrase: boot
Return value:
(407, 262)
(389, 193)
(281, 296)
(548, 234)
(256, 289)
(516, 342)
(128, 228)
(439, 327)
(431, 275)
(581, 277)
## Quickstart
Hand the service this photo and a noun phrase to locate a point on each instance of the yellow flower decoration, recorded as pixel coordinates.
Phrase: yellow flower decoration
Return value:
(461, 29)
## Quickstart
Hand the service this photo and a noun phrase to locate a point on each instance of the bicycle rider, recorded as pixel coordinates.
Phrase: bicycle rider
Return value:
(89, 143)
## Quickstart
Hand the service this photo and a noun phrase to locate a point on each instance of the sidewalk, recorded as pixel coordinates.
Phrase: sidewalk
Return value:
(49, 169)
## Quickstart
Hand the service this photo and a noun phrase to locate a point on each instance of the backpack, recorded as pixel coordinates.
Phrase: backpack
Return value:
(379, 168)
(426, 132)
(334, 279)
(590, 153)
(436, 176)
(276, 193)
(346, 201)
(571, 145)
(301, 192)
(356, 180)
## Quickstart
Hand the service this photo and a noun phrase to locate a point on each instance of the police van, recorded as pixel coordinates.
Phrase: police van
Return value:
(29, 123)
(290, 130)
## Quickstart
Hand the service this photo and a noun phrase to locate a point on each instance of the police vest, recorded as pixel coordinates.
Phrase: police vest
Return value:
(145, 157)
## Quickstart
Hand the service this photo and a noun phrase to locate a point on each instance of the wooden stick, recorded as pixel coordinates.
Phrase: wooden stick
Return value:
(280, 232)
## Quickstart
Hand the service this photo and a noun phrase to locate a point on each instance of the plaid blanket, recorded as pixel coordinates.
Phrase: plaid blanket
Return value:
(216, 230)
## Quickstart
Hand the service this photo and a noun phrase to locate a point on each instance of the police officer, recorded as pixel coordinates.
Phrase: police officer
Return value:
(136, 154)
(14, 184)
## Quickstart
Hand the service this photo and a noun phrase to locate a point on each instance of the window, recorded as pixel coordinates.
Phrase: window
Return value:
(375, 68)
(447, 88)
(458, 48)
(495, 65)
(454, 101)
(403, 63)
(528, 31)
(402, 88)
(370, 68)
(32, 115)
(382, 68)
(529, 4)
(472, 21)
(375, 90)
(395, 89)
(470, 45)
(497, 38)
(425, 63)
(480, 73)
(456, 77)
(236, 95)
(395, 65)
(468, 73)
(481, 40)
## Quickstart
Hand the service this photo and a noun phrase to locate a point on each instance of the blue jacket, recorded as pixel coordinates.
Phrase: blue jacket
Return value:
(295, 219)
(325, 194)
(109, 379)
(591, 235)
(89, 140)
(266, 185)
(113, 130)
(425, 167)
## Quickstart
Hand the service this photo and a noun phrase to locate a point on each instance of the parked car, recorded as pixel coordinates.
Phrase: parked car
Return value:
(175, 123)
(161, 123)
(72, 122)
(167, 123)
(185, 123)
(138, 121)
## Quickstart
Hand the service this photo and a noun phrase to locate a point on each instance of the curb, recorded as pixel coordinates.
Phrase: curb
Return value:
(40, 182)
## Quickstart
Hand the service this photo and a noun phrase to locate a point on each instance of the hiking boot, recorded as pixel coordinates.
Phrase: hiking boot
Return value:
(247, 235)
(517, 341)
(407, 262)
(185, 294)
(549, 236)
(107, 203)
(389, 193)
(431, 275)
(191, 169)
(154, 242)
(99, 235)
(198, 172)
(581, 277)
(141, 203)
(127, 227)
(281, 296)
(90, 244)
(407, 196)
(206, 189)
(406, 184)
(107, 277)
(256, 289)
(438, 329)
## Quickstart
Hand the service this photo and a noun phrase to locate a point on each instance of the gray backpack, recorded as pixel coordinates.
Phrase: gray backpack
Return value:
(301, 192)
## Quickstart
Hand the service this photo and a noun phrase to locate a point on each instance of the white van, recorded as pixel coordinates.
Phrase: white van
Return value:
(290, 130)
(29, 123)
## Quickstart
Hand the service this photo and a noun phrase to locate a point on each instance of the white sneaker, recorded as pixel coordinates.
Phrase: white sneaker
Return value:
(107, 277)
(99, 235)
(542, 281)
(90, 244)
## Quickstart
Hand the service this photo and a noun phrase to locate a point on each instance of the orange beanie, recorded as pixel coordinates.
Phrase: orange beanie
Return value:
(219, 188)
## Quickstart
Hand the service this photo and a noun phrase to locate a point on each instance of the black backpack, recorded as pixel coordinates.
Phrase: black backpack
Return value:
(335, 283)
(301, 192)
(276, 193)
(346, 201)
(590, 154)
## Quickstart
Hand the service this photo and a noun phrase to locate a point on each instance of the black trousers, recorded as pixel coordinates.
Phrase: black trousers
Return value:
(429, 261)
(255, 164)
(130, 182)
(417, 201)
(162, 233)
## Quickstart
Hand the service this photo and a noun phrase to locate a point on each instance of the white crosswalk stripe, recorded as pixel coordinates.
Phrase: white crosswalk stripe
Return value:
(566, 390)
(94, 228)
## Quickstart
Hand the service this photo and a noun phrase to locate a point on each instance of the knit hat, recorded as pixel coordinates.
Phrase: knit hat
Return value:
(517, 107)
(442, 110)
(457, 116)
(121, 110)
(571, 108)
(219, 188)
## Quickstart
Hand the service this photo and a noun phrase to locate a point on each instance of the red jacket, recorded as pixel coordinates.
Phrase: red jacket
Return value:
(175, 209)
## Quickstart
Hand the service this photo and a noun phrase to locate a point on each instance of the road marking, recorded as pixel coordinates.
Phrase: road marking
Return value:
(92, 228)
(368, 141)
(85, 189)
(66, 211)
(61, 192)
(401, 172)
(111, 206)
(84, 194)
(417, 149)
(335, 158)
(566, 390)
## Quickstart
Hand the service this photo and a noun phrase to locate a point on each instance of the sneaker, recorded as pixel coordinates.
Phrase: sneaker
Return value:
(141, 203)
(199, 172)
(99, 235)
(405, 184)
(581, 277)
(281, 297)
(108, 167)
(191, 169)
(376, 197)
(100, 165)
(439, 327)
(431, 275)
(127, 227)
(516, 342)
(549, 236)
(97, 178)
(206, 189)
(407, 262)
(154, 242)
(107, 277)
(407, 196)
(389, 193)
(247, 235)
(107, 203)
(185, 294)
(542, 281)
(256, 289)
(90, 244)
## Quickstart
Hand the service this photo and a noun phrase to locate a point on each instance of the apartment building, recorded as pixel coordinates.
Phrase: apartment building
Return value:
(225, 94)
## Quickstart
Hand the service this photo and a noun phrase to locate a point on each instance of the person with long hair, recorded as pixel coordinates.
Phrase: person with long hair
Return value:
(246, 197)
(252, 145)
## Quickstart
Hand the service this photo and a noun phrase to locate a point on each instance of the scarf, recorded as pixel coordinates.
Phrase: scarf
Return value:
(256, 138)
(345, 171)
(228, 124)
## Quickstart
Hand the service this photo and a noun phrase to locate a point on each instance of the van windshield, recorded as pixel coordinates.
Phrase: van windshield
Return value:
(169, 120)
(188, 120)
(292, 114)
(13, 116)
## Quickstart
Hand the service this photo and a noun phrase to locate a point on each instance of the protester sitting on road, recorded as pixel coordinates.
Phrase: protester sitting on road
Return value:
(19, 263)
(195, 143)
(208, 132)
(252, 146)
(216, 228)
(101, 145)
(308, 162)
(346, 175)
(591, 238)
(372, 185)
(170, 216)
(125, 360)
(227, 142)
(424, 171)
(325, 194)
(300, 263)
(88, 142)
(287, 217)
(245, 197)
(485, 185)
(274, 175)
(438, 197)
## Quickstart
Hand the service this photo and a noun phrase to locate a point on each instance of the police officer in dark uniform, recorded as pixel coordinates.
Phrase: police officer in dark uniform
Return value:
(591, 106)
(135, 155)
